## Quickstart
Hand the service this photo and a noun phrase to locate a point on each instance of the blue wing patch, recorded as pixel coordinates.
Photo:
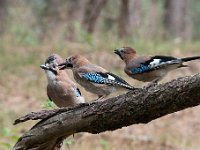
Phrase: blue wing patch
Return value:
(141, 69)
(94, 77)
(107, 78)
(155, 62)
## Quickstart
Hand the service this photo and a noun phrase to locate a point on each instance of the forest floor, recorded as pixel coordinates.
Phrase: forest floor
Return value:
(23, 89)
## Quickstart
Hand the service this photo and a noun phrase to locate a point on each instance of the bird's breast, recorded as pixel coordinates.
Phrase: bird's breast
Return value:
(50, 76)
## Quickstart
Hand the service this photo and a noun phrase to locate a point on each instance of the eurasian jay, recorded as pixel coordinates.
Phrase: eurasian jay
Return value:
(149, 68)
(60, 89)
(93, 78)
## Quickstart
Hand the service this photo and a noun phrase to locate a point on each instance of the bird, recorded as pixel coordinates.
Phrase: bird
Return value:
(60, 89)
(149, 68)
(94, 78)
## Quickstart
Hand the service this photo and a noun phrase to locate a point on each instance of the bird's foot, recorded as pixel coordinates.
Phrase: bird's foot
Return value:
(101, 98)
(151, 84)
(83, 104)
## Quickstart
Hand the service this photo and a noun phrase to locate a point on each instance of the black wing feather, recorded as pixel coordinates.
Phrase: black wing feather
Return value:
(162, 58)
(117, 78)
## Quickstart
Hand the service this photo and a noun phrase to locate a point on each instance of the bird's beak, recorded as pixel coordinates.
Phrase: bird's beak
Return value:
(63, 66)
(43, 66)
(117, 51)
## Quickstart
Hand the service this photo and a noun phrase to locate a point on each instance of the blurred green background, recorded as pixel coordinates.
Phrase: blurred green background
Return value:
(30, 30)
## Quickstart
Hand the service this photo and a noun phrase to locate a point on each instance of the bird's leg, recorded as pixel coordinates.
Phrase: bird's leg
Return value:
(152, 84)
(100, 98)
(83, 104)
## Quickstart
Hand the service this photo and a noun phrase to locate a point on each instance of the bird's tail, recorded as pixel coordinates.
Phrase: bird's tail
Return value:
(126, 86)
(120, 82)
(190, 58)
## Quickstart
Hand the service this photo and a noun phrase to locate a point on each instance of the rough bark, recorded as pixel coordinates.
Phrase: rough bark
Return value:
(141, 106)
(91, 14)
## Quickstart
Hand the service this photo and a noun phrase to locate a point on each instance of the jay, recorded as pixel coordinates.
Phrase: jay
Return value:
(93, 78)
(60, 89)
(149, 68)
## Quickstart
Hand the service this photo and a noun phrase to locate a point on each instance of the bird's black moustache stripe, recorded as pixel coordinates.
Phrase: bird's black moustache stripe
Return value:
(118, 53)
(54, 71)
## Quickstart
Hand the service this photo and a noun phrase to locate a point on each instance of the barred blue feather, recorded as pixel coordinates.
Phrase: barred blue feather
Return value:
(149, 68)
(141, 69)
(94, 77)
(106, 78)
(155, 62)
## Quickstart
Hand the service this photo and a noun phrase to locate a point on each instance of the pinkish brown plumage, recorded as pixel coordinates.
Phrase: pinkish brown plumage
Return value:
(60, 89)
(149, 68)
(93, 78)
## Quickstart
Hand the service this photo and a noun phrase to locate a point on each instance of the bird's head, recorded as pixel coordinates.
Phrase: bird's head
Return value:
(73, 61)
(51, 64)
(125, 52)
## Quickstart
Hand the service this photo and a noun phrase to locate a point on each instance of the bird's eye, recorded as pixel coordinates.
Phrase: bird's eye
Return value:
(122, 52)
(70, 59)
(54, 65)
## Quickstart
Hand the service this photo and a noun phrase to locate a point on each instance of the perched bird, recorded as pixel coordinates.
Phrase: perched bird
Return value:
(93, 78)
(149, 68)
(60, 89)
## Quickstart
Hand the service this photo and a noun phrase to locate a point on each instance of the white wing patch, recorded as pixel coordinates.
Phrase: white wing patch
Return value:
(155, 62)
(111, 77)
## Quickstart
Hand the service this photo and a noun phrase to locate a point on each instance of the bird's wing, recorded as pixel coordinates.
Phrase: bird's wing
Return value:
(153, 63)
(105, 78)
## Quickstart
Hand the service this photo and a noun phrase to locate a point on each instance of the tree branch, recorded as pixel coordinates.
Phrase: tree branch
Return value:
(141, 106)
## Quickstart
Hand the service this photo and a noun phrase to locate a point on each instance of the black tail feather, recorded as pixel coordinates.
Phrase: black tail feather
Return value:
(190, 58)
